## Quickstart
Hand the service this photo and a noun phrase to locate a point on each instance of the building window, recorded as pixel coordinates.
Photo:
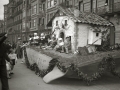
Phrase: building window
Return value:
(55, 2)
(30, 24)
(66, 23)
(51, 15)
(48, 17)
(56, 23)
(34, 22)
(97, 34)
(66, 2)
(39, 20)
(43, 7)
(40, 7)
(48, 4)
(23, 25)
(51, 3)
(106, 2)
(91, 6)
(43, 21)
(34, 9)
(81, 5)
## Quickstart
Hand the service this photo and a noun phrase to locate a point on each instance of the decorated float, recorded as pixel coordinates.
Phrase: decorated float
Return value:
(92, 51)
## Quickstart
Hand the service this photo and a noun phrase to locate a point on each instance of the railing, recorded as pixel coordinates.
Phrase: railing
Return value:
(17, 31)
(103, 10)
(10, 25)
(17, 22)
(17, 13)
(10, 17)
(117, 7)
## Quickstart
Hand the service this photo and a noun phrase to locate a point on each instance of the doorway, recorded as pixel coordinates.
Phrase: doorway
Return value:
(62, 35)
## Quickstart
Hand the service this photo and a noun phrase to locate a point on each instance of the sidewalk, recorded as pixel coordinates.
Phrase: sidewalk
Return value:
(25, 79)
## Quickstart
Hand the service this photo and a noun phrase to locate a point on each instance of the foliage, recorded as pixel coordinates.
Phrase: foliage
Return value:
(107, 64)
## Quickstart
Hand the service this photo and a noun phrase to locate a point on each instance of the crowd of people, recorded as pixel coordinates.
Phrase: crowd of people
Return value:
(8, 58)
(51, 42)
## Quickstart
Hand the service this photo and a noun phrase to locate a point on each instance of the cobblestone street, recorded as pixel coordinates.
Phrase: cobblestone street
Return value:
(25, 79)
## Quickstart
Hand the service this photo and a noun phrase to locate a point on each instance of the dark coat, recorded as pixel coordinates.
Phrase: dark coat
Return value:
(3, 51)
(3, 54)
(2, 39)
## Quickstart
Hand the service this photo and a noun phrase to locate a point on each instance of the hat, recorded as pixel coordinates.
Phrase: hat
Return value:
(60, 39)
(35, 33)
(19, 38)
(42, 34)
(2, 34)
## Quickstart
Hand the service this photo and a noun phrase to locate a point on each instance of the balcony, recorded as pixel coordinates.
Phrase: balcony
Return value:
(10, 25)
(103, 10)
(117, 7)
(17, 13)
(10, 17)
(18, 22)
(17, 31)
(19, 3)
(29, 6)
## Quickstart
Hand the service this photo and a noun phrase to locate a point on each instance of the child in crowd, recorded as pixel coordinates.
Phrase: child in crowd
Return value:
(8, 66)
(13, 58)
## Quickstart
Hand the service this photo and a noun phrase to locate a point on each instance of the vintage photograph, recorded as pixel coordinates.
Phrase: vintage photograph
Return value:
(59, 44)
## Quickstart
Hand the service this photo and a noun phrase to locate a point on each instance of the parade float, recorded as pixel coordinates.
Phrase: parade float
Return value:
(91, 55)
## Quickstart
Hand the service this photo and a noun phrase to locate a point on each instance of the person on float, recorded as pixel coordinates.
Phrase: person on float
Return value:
(36, 38)
(30, 39)
(59, 45)
(42, 40)
(67, 45)
(53, 41)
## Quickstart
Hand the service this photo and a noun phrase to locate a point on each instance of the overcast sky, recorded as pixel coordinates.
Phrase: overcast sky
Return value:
(2, 2)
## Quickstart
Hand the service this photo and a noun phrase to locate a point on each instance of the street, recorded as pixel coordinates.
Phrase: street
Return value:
(25, 79)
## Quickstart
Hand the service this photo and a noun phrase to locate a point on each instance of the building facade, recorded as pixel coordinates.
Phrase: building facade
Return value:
(14, 19)
(108, 9)
(24, 17)
(1, 26)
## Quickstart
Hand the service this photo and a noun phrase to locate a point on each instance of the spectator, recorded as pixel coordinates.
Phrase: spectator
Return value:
(3, 58)
(19, 49)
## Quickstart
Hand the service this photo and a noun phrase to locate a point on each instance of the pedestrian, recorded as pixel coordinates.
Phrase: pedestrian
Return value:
(18, 49)
(13, 58)
(3, 58)
(8, 66)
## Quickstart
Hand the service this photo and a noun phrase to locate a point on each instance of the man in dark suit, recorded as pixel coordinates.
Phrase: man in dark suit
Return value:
(3, 56)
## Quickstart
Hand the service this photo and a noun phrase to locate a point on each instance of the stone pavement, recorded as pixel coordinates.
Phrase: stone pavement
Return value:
(25, 79)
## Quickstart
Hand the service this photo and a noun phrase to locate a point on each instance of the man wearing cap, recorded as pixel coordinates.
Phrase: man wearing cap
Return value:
(3, 57)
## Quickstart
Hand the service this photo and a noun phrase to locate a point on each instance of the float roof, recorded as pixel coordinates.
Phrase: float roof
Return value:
(84, 17)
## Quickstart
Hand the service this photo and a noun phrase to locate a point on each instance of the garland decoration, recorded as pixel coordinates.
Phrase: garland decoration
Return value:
(107, 64)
